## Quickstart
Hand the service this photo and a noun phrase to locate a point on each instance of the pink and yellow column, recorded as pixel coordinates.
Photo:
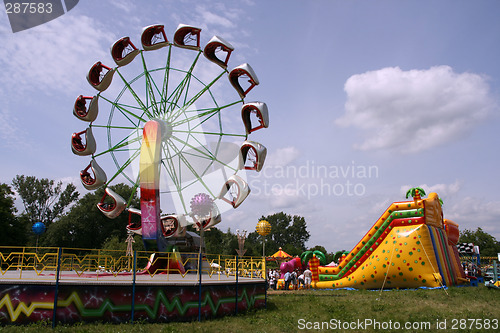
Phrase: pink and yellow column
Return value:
(149, 175)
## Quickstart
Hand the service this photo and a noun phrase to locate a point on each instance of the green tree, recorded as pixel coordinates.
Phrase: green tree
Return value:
(488, 245)
(218, 242)
(116, 244)
(85, 226)
(288, 232)
(43, 199)
(12, 232)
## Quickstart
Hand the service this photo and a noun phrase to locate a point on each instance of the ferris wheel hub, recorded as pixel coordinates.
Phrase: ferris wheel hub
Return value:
(166, 129)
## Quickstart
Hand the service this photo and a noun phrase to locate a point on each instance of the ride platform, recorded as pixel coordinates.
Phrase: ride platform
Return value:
(32, 291)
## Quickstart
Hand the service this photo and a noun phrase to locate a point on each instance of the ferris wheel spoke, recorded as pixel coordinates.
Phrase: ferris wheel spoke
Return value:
(176, 95)
(212, 133)
(192, 169)
(171, 172)
(213, 160)
(193, 99)
(126, 113)
(118, 127)
(177, 185)
(202, 91)
(206, 114)
(124, 166)
(134, 189)
(132, 91)
(206, 153)
(170, 169)
(123, 143)
(176, 179)
(166, 77)
(195, 116)
(212, 156)
(181, 88)
(149, 87)
(186, 90)
(140, 108)
(121, 150)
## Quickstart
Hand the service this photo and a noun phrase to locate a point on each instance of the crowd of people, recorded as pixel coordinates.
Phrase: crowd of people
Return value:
(296, 279)
(471, 269)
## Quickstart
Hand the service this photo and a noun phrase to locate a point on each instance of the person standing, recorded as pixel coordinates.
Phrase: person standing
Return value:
(287, 278)
(294, 279)
(301, 280)
(307, 278)
(272, 280)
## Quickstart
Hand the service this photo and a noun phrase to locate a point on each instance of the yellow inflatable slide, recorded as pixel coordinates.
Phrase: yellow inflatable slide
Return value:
(409, 246)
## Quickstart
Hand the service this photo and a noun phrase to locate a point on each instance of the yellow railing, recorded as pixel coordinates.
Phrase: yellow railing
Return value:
(484, 260)
(42, 264)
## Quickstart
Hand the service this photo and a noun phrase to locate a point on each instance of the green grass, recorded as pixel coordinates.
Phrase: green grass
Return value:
(285, 309)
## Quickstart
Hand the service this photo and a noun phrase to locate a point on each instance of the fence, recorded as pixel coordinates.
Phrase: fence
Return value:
(40, 266)
(483, 260)
(42, 263)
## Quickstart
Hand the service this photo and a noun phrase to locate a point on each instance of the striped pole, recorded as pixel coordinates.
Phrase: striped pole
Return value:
(314, 264)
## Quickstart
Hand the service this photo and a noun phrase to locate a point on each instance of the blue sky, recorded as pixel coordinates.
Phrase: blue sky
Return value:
(405, 93)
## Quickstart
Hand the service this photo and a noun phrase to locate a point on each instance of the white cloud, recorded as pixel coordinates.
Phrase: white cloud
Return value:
(249, 2)
(282, 156)
(45, 61)
(282, 198)
(127, 6)
(224, 20)
(410, 111)
(469, 212)
(210, 18)
(472, 213)
(443, 190)
(48, 56)
(378, 207)
(282, 194)
(11, 137)
(233, 218)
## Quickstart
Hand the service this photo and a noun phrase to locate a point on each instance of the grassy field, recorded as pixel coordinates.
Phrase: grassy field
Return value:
(465, 309)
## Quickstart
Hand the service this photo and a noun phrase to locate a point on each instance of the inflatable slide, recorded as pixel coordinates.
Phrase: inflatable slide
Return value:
(409, 246)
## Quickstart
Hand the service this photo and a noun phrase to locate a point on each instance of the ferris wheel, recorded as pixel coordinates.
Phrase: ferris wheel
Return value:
(172, 121)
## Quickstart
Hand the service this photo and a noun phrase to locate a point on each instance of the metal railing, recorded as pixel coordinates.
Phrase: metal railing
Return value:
(41, 264)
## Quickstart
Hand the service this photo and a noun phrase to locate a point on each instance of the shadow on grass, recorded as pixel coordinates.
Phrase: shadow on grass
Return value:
(271, 306)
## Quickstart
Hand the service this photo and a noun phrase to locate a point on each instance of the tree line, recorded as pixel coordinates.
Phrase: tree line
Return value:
(488, 245)
(75, 222)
